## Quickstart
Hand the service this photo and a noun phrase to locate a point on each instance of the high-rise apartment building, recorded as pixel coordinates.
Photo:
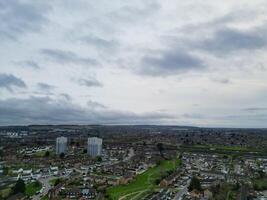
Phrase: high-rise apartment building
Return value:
(94, 147)
(61, 145)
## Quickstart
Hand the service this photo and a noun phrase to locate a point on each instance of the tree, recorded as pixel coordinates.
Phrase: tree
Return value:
(57, 181)
(261, 174)
(19, 187)
(62, 155)
(160, 148)
(85, 151)
(236, 186)
(47, 154)
(77, 144)
(194, 184)
(72, 142)
(99, 158)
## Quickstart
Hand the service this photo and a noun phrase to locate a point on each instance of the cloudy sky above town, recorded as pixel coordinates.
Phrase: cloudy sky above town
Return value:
(194, 62)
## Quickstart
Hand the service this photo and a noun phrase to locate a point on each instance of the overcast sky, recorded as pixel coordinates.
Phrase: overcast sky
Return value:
(194, 62)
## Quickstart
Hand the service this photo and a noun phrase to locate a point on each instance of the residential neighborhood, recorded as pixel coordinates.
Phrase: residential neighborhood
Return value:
(138, 165)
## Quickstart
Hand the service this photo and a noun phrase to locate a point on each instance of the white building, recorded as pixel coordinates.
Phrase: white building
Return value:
(94, 147)
(61, 145)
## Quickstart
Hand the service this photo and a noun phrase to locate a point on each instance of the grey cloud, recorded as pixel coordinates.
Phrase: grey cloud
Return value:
(226, 41)
(99, 42)
(45, 86)
(66, 96)
(255, 109)
(130, 13)
(90, 82)
(118, 18)
(44, 110)
(28, 63)
(19, 17)
(193, 116)
(170, 62)
(234, 16)
(222, 80)
(9, 81)
(67, 57)
(93, 104)
(248, 120)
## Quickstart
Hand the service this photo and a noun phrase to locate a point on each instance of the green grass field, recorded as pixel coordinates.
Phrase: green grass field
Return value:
(144, 182)
(32, 188)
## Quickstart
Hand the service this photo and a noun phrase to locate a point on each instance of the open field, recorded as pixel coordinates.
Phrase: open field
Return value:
(144, 182)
